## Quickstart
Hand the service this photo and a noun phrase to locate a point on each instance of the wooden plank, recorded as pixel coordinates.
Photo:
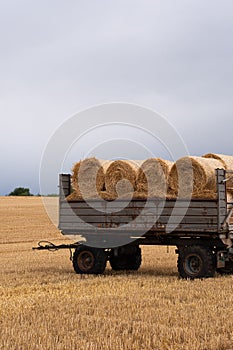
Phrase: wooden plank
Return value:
(137, 211)
(140, 204)
(197, 229)
(138, 233)
(66, 180)
(143, 219)
(139, 225)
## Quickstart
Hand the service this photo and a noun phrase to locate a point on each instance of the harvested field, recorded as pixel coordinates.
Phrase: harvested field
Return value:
(45, 305)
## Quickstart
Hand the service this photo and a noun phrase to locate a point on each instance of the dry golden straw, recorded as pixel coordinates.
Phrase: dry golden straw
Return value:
(77, 196)
(152, 177)
(230, 196)
(189, 177)
(39, 295)
(194, 176)
(121, 177)
(227, 162)
(88, 177)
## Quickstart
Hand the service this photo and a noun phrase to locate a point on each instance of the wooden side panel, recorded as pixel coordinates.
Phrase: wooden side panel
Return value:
(195, 217)
(199, 217)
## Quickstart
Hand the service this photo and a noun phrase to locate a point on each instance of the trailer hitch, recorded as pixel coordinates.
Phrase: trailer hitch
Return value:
(46, 245)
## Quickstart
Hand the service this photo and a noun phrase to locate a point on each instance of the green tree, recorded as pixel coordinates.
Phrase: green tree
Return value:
(21, 191)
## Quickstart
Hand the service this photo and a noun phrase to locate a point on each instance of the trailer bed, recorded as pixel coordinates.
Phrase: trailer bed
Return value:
(142, 218)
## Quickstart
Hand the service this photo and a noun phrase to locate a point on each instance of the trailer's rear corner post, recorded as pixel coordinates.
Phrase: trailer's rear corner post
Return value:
(64, 185)
(64, 190)
(228, 219)
(224, 257)
(222, 198)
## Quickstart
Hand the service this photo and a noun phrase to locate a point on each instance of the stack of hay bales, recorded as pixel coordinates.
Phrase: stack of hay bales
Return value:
(188, 177)
(93, 178)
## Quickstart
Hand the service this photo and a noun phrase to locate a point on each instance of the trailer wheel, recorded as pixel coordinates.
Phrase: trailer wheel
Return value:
(135, 260)
(89, 260)
(223, 271)
(196, 262)
(126, 261)
(227, 270)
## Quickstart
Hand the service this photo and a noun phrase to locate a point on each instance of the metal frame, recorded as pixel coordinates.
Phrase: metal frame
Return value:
(222, 202)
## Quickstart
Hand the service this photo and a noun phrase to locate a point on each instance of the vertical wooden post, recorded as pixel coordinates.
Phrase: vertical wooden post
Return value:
(64, 185)
(222, 197)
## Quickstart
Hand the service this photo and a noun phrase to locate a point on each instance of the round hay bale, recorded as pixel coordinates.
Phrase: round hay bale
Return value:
(204, 194)
(230, 201)
(152, 177)
(120, 177)
(74, 196)
(193, 176)
(227, 162)
(230, 196)
(88, 177)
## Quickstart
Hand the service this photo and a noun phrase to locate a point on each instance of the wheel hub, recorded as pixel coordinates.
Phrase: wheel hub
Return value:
(193, 264)
(86, 260)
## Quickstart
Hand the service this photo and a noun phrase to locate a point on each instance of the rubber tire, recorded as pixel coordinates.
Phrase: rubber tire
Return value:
(191, 254)
(126, 262)
(227, 270)
(89, 260)
(224, 271)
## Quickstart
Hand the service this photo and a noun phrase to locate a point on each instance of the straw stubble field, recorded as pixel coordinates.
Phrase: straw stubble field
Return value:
(45, 305)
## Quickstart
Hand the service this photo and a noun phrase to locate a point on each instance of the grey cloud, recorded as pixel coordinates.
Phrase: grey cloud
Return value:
(57, 58)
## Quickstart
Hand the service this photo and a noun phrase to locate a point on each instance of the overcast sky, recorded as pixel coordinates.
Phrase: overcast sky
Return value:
(60, 57)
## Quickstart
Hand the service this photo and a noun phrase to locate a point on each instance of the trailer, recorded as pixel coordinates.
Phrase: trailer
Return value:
(113, 231)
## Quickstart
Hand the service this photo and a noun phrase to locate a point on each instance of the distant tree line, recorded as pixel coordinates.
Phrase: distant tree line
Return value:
(21, 191)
